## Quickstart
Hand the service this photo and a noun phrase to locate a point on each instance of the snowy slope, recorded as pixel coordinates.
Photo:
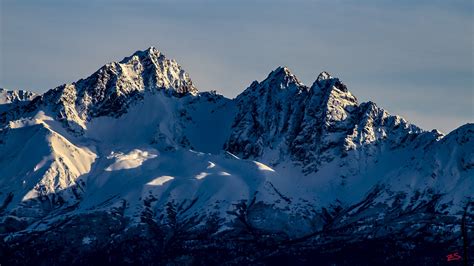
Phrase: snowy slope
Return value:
(135, 148)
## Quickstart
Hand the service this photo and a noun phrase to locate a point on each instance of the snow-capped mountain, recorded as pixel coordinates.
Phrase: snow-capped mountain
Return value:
(133, 164)
(112, 88)
(10, 99)
(12, 96)
(281, 119)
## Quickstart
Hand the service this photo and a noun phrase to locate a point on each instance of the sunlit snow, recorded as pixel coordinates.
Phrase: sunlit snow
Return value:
(211, 165)
(224, 173)
(130, 160)
(201, 175)
(160, 180)
(263, 167)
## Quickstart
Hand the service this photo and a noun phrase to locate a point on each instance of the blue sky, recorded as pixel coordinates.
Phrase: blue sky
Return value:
(413, 58)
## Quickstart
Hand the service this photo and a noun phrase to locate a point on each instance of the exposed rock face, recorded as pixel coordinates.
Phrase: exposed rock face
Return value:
(12, 96)
(280, 118)
(114, 87)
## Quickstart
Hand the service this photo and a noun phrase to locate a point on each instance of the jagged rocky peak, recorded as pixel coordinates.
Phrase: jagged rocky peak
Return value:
(158, 72)
(279, 80)
(319, 162)
(152, 70)
(281, 113)
(115, 86)
(333, 96)
(325, 81)
(11, 96)
(280, 88)
(312, 126)
(282, 78)
(323, 76)
(150, 52)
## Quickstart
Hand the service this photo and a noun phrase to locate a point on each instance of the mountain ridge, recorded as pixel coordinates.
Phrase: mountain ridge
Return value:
(136, 152)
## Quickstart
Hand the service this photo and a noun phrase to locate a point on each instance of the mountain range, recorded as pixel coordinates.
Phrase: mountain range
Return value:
(133, 165)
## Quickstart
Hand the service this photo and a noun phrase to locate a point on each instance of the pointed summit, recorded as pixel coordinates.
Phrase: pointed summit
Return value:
(281, 71)
(11, 96)
(152, 50)
(282, 75)
(323, 76)
(114, 87)
(325, 81)
(279, 82)
(280, 79)
(150, 53)
(158, 72)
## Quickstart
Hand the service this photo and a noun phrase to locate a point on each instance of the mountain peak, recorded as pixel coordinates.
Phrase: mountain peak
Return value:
(114, 87)
(325, 81)
(152, 49)
(282, 77)
(10, 96)
(323, 76)
(129, 153)
(149, 53)
(281, 71)
(154, 71)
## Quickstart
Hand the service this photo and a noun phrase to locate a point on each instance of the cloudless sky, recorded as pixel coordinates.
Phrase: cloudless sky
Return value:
(413, 58)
